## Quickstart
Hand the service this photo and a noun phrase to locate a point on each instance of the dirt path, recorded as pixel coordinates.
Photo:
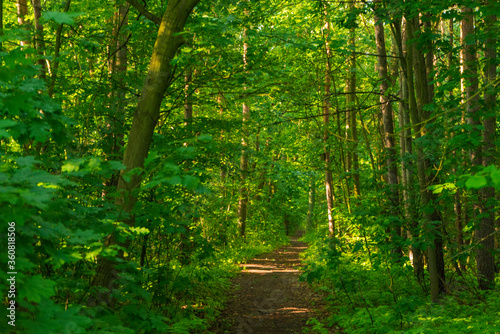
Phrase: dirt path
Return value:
(267, 296)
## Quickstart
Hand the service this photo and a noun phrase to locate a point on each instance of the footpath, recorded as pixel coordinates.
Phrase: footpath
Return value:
(267, 296)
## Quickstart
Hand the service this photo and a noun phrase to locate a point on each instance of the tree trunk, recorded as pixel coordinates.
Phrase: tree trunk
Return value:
(418, 263)
(243, 192)
(416, 105)
(326, 136)
(144, 122)
(457, 198)
(351, 107)
(22, 13)
(117, 66)
(406, 148)
(185, 243)
(1, 24)
(471, 81)
(39, 38)
(57, 49)
(388, 124)
(485, 258)
(312, 200)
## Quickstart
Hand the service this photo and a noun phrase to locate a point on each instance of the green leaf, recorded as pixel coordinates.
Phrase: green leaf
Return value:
(116, 165)
(71, 166)
(35, 288)
(39, 199)
(175, 180)
(27, 161)
(205, 137)
(495, 177)
(139, 230)
(190, 182)
(7, 123)
(476, 182)
(136, 171)
(61, 18)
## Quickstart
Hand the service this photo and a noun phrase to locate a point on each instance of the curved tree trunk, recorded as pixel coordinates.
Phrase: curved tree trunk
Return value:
(144, 122)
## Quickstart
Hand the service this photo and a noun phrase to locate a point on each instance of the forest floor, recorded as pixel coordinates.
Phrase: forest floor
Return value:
(267, 296)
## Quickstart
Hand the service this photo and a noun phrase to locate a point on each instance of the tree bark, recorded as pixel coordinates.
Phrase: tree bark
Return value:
(326, 136)
(485, 258)
(471, 81)
(39, 38)
(388, 125)
(312, 200)
(143, 11)
(351, 107)
(406, 147)
(1, 24)
(434, 255)
(243, 191)
(22, 13)
(57, 49)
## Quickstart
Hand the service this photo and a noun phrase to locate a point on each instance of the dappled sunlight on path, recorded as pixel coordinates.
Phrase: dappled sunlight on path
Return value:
(268, 297)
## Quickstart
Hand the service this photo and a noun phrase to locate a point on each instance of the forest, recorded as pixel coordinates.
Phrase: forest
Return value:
(150, 148)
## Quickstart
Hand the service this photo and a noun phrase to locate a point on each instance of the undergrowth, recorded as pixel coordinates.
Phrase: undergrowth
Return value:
(375, 294)
(199, 291)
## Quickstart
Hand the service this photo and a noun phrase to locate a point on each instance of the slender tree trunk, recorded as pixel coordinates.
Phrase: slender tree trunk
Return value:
(120, 75)
(223, 170)
(351, 106)
(189, 214)
(429, 59)
(188, 97)
(22, 13)
(457, 198)
(1, 24)
(418, 263)
(117, 67)
(471, 81)
(57, 49)
(406, 147)
(326, 136)
(388, 124)
(485, 258)
(144, 122)
(367, 142)
(243, 192)
(424, 97)
(39, 37)
(419, 131)
(312, 200)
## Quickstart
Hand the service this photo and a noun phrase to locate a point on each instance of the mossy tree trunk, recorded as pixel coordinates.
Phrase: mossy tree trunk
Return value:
(144, 122)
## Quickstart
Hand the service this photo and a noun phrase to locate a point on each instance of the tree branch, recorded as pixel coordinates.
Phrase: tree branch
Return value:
(143, 11)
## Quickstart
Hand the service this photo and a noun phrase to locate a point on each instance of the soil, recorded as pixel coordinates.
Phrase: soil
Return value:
(267, 296)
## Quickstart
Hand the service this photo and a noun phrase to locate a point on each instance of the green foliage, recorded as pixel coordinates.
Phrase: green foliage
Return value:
(61, 18)
(372, 294)
(487, 177)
